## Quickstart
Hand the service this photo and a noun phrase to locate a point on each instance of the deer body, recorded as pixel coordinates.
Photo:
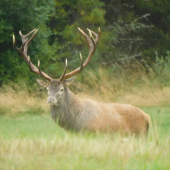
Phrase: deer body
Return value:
(73, 113)
(77, 114)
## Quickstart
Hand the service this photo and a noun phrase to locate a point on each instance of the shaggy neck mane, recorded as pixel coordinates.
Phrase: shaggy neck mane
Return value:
(67, 111)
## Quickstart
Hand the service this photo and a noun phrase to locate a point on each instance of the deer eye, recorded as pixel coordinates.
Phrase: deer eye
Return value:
(61, 89)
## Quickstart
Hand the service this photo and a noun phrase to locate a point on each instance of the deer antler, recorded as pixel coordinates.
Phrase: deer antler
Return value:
(23, 51)
(92, 47)
(91, 42)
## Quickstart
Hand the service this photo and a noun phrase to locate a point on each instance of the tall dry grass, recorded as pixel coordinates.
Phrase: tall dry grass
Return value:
(18, 99)
(136, 88)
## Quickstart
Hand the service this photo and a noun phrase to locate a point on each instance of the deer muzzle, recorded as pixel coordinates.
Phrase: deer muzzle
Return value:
(51, 100)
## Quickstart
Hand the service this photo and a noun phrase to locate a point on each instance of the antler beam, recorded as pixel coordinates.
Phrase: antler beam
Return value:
(92, 47)
(24, 49)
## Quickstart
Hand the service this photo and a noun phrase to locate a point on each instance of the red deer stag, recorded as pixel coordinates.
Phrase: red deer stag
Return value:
(73, 113)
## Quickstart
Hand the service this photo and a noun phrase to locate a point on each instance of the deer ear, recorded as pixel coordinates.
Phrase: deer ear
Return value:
(42, 83)
(70, 81)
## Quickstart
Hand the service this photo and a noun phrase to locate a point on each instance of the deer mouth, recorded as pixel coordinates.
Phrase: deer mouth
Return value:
(51, 104)
(52, 101)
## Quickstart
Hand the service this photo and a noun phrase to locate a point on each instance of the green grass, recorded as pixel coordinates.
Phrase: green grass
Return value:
(35, 142)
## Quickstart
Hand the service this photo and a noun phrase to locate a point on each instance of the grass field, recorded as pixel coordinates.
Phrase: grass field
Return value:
(35, 142)
(29, 139)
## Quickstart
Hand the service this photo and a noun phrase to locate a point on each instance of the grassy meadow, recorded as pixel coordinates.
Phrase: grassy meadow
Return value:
(29, 139)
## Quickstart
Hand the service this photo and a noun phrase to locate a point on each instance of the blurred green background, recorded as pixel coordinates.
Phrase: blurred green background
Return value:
(133, 33)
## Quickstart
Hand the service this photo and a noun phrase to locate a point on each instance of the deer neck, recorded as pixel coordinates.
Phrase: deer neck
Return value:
(67, 111)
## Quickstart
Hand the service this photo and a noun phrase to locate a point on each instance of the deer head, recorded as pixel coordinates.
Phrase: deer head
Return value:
(56, 87)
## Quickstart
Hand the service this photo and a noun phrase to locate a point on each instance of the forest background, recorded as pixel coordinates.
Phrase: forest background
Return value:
(134, 35)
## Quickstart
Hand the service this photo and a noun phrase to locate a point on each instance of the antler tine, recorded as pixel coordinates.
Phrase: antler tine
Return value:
(22, 46)
(42, 73)
(23, 51)
(26, 40)
(29, 63)
(81, 67)
(96, 35)
(23, 37)
(40, 68)
(92, 47)
(62, 77)
(31, 36)
(86, 37)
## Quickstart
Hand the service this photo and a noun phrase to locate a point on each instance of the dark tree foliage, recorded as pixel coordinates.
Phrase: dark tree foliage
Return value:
(131, 31)
(158, 38)
(22, 15)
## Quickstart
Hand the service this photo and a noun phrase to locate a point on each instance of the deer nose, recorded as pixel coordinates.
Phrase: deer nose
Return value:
(50, 100)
